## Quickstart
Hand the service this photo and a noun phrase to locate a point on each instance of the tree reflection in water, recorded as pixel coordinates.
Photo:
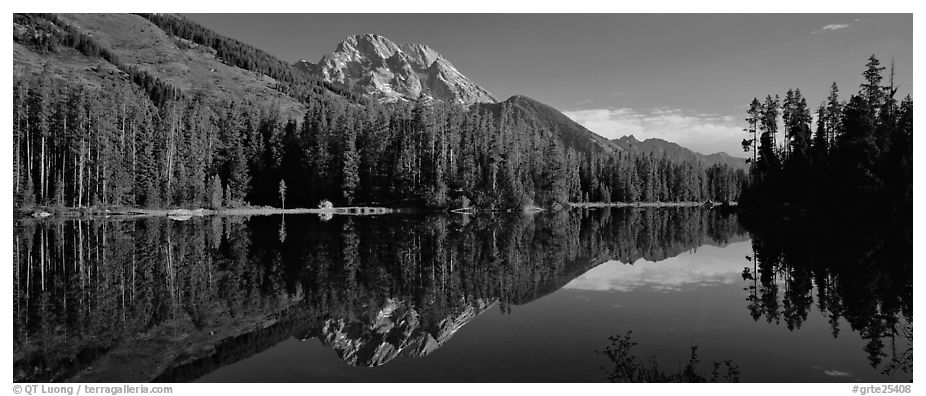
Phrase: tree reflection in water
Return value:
(155, 299)
(860, 273)
(144, 299)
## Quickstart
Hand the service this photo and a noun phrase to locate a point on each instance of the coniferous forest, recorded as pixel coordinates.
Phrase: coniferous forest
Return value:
(189, 207)
(859, 156)
(146, 143)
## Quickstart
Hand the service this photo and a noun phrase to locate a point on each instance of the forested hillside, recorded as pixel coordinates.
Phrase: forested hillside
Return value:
(663, 148)
(150, 135)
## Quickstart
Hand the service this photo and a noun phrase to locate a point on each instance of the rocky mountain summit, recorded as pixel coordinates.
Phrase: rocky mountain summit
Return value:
(374, 65)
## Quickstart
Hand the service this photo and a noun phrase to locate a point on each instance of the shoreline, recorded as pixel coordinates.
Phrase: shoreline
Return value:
(41, 213)
(183, 214)
(644, 204)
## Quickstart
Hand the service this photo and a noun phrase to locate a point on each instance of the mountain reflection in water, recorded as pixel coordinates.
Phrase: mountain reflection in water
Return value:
(158, 300)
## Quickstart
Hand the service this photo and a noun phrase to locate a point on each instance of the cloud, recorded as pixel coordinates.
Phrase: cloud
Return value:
(835, 26)
(709, 265)
(704, 133)
(836, 373)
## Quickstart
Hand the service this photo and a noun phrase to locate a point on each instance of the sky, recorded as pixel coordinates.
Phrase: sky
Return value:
(685, 78)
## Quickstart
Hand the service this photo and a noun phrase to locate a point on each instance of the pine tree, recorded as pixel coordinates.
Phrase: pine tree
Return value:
(282, 191)
(215, 197)
(554, 177)
(350, 165)
(230, 200)
(787, 117)
(752, 128)
(833, 115)
(871, 89)
(28, 194)
(858, 148)
(39, 110)
(768, 162)
(820, 147)
(233, 157)
(798, 126)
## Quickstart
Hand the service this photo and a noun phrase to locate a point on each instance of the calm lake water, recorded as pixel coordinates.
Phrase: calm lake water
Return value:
(403, 298)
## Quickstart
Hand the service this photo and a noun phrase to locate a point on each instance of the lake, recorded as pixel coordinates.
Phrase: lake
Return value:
(568, 296)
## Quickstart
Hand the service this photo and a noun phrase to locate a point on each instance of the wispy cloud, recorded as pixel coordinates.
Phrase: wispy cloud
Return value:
(833, 27)
(709, 265)
(836, 373)
(704, 133)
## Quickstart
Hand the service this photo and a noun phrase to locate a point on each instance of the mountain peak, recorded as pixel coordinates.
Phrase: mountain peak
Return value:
(368, 44)
(377, 66)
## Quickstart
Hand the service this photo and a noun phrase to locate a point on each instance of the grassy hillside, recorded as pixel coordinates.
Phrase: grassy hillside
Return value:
(183, 64)
(67, 63)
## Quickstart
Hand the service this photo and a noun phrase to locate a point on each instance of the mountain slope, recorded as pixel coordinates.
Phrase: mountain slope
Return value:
(126, 49)
(723, 158)
(662, 148)
(544, 117)
(376, 66)
(190, 67)
(370, 64)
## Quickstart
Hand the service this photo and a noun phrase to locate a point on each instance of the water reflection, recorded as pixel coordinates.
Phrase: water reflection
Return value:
(625, 366)
(861, 273)
(710, 266)
(160, 300)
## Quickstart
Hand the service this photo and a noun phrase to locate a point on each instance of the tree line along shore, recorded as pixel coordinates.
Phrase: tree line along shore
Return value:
(72, 212)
